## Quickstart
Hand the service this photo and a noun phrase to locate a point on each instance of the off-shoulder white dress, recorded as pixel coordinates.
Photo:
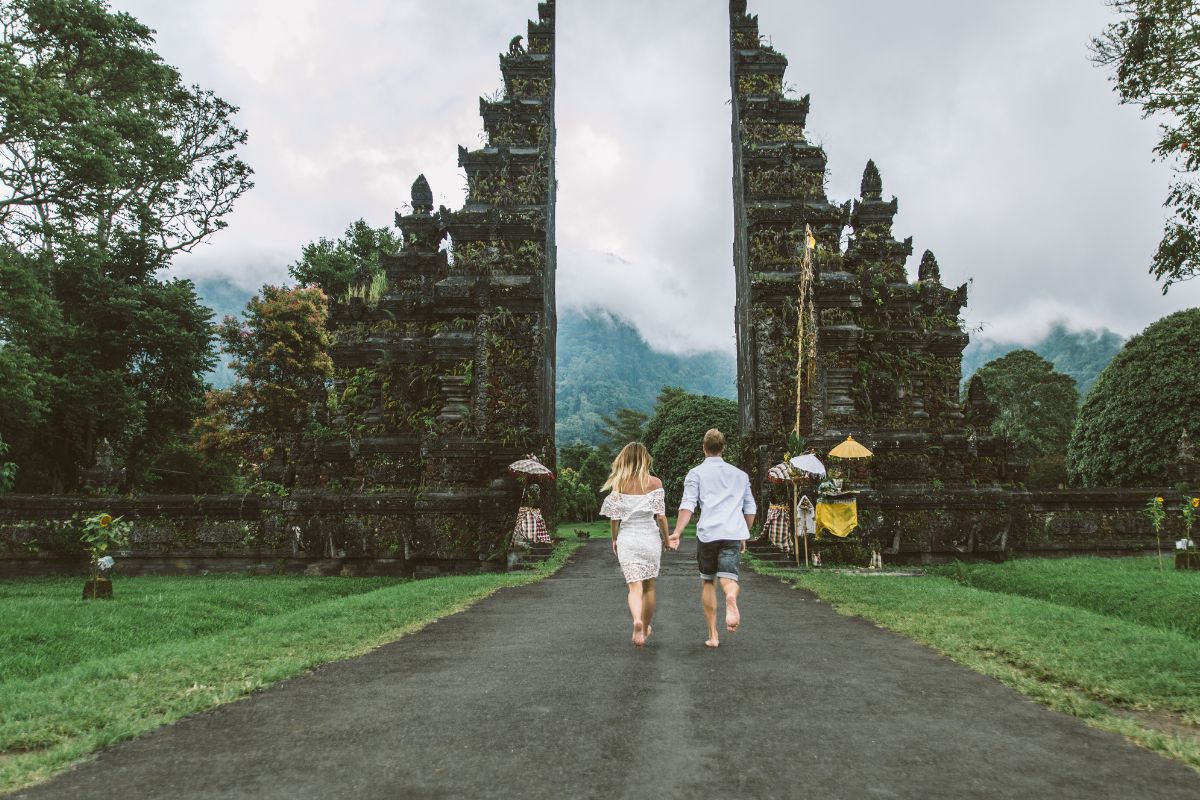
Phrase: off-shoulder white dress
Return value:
(639, 543)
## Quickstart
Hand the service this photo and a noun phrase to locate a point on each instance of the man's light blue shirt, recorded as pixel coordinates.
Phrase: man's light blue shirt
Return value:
(723, 493)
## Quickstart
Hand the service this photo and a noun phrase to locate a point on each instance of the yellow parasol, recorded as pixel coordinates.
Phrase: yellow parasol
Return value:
(850, 449)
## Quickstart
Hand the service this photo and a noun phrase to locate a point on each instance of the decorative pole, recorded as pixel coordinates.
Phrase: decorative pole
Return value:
(804, 332)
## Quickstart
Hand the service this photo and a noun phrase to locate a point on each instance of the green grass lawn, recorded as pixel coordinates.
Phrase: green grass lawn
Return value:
(1050, 628)
(76, 676)
(1132, 589)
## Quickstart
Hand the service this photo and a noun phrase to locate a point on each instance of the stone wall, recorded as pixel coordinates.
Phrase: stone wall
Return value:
(375, 534)
(928, 527)
(372, 534)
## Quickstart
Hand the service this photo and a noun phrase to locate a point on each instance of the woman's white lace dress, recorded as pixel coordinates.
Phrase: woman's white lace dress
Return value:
(639, 544)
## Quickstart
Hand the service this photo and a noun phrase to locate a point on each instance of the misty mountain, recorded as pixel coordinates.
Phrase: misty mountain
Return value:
(605, 364)
(1080, 354)
(225, 298)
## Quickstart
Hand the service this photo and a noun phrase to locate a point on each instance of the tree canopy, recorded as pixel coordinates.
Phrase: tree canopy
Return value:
(280, 359)
(109, 165)
(101, 140)
(1129, 427)
(1154, 51)
(675, 434)
(1036, 411)
(330, 264)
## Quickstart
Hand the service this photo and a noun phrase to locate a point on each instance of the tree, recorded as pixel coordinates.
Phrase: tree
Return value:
(1155, 51)
(624, 426)
(576, 501)
(571, 456)
(1129, 427)
(280, 358)
(101, 140)
(678, 425)
(109, 165)
(1037, 408)
(331, 265)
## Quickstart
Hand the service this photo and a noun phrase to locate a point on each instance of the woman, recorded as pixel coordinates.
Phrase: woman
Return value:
(636, 508)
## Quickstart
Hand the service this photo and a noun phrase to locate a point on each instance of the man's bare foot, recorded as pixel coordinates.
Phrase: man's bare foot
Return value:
(649, 630)
(639, 634)
(712, 641)
(733, 617)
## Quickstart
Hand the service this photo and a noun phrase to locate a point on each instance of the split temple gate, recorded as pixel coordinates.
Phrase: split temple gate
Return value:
(444, 360)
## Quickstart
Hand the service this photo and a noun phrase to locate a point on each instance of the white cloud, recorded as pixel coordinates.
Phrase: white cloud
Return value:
(1011, 158)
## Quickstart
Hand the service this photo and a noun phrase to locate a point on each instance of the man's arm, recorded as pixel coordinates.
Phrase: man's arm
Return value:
(687, 506)
(749, 509)
(681, 522)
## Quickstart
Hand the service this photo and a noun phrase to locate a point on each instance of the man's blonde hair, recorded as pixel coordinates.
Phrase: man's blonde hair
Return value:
(714, 442)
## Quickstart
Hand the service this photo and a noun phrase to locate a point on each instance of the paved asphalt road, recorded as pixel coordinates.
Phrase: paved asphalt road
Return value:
(536, 693)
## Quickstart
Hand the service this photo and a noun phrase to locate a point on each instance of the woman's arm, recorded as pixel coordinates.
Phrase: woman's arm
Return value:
(613, 524)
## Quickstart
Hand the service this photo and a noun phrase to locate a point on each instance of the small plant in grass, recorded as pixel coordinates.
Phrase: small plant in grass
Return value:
(1155, 511)
(102, 533)
(8, 470)
(1190, 507)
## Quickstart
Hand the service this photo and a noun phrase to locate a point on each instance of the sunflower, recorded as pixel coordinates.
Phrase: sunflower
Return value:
(1196, 502)
(105, 520)
(1158, 500)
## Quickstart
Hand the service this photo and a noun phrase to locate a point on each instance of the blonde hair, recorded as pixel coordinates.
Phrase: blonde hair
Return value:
(631, 466)
(714, 442)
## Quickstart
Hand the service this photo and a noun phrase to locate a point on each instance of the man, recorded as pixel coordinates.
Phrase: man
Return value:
(722, 492)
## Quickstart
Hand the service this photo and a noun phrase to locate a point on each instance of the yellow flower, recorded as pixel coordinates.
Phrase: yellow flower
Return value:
(1196, 502)
(105, 520)
(1158, 500)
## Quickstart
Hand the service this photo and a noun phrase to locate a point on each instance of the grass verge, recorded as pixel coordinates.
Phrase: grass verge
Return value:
(1132, 589)
(112, 670)
(1119, 675)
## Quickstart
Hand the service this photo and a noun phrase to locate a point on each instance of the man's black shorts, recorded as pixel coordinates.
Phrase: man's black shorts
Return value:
(718, 559)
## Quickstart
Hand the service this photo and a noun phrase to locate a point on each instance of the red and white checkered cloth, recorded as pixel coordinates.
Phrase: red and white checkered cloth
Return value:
(530, 526)
(778, 527)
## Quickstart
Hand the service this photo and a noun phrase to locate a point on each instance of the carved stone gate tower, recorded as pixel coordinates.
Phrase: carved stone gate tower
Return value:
(832, 337)
(444, 358)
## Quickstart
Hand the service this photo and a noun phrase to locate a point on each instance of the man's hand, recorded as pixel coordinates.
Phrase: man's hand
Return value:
(743, 545)
(673, 541)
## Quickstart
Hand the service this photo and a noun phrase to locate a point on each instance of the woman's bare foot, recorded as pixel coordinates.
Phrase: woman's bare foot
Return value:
(733, 617)
(639, 634)
(712, 641)
(649, 630)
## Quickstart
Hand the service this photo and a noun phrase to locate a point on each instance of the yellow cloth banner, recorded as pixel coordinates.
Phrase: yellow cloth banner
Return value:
(838, 517)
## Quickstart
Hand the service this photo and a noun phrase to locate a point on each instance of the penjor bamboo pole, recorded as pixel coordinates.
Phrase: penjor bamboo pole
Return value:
(803, 333)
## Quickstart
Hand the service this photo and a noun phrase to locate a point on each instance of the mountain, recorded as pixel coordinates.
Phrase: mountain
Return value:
(1080, 354)
(225, 298)
(605, 364)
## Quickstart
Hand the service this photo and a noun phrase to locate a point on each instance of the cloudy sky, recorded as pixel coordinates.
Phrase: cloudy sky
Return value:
(1012, 160)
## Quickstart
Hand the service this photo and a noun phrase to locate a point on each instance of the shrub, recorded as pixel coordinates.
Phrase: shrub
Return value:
(1129, 427)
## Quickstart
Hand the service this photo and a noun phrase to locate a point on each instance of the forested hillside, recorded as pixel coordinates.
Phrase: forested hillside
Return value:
(604, 364)
(1080, 354)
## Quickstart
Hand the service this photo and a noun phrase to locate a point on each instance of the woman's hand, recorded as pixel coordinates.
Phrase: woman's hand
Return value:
(614, 541)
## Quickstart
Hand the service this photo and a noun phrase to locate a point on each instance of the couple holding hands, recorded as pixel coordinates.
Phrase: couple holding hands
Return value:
(636, 508)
